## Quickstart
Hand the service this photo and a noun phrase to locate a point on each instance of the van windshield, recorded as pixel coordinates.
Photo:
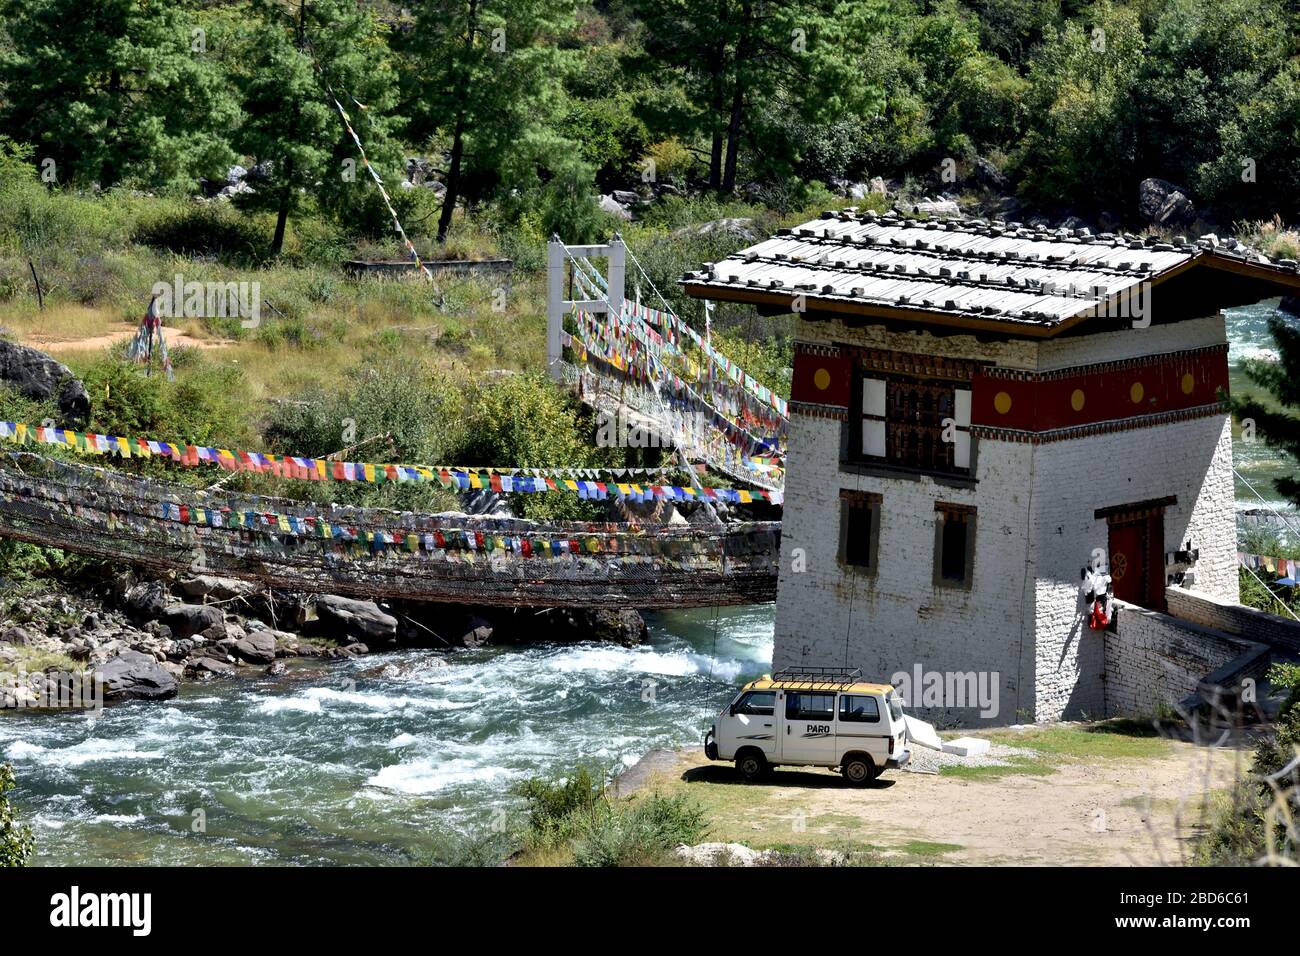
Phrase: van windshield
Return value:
(895, 707)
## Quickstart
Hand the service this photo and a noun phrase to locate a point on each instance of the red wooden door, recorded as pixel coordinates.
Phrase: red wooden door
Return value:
(1137, 561)
(1127, 563)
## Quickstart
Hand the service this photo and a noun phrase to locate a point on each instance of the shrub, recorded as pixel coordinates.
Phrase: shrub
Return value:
(206, 404)
(641, 834)
(576, 811)
(553, 802)
(209, 229)
(16, 843)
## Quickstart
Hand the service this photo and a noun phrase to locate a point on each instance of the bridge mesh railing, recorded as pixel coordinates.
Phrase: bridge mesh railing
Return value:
(374, 552)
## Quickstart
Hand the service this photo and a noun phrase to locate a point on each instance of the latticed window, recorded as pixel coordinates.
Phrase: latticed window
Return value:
(914, 423)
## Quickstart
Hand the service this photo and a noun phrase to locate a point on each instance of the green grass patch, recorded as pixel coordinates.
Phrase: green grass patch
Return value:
(1119, 739)
(32, 661)
(929, 849)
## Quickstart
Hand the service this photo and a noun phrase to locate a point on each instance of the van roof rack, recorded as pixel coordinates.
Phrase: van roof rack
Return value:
(830, 676)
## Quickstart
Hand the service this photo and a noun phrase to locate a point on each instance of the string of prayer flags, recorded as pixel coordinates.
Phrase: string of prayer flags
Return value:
(584, 481)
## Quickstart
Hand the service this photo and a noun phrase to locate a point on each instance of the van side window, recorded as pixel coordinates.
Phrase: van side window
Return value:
(809, 705)
(759, 703)
(859, 709)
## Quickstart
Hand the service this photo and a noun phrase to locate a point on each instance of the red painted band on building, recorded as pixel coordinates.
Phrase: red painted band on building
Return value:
(1109, 392)
(821, 378)
(1013, 400)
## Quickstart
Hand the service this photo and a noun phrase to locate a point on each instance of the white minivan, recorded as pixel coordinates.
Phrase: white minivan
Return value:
(812, 718)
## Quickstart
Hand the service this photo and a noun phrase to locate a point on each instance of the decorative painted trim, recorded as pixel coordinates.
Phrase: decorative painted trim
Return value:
(813, 410)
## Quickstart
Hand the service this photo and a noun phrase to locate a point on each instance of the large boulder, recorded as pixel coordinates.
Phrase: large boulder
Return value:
(476, 632)
(186, 620)
(984, 173)
(136, 676)
(146, 601)
(360, 619)
(215, 588)
(625, 626)
(741, 230)
(615, 208)
(257, 648)
(936, 208)
(1163, 203)
(42, 378)
(17, 635)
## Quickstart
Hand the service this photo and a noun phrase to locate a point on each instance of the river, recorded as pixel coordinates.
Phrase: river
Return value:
(380, 760)
(389, 759)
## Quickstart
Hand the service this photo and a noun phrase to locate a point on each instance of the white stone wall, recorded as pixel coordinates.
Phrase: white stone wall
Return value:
(1191, 460)
(1024, 615)
(1155, 661)
(891, 621)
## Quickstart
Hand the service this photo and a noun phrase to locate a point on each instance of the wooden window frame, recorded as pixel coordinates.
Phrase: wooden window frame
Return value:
(871, 503)
(943, 512)
(855, 454)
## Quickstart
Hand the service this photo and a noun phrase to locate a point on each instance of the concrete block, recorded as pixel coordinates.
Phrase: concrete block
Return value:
(966, 746)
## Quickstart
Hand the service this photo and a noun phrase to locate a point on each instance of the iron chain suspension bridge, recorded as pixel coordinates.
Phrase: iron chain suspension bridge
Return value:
(620, 357)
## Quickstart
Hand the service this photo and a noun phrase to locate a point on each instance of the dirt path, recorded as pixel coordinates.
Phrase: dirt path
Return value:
(1089, 812)
(120, 333)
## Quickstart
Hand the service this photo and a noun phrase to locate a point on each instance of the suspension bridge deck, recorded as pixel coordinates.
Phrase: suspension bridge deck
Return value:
(367, 552)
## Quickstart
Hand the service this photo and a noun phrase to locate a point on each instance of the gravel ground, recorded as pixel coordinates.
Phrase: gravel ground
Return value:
(931, 761)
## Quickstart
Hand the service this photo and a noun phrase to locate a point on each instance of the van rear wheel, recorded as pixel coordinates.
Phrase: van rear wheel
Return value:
(858, 770)
(752, 765)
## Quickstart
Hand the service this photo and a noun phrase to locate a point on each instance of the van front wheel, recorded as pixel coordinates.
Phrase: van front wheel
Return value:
(858, 770)
(752, 764)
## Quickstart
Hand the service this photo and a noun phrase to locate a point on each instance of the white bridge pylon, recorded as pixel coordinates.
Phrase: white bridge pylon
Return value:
(557, 306)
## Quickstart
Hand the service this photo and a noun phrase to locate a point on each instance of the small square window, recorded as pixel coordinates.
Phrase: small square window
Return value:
(859, 529)
(954, 545)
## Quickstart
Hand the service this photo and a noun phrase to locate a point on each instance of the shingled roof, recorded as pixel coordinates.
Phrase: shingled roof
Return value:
(997, 276)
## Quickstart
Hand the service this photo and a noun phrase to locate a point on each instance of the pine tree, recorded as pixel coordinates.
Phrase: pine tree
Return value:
(114, 90)
(294, 50)
(1278, 421)
(737, 59)
(487, 80)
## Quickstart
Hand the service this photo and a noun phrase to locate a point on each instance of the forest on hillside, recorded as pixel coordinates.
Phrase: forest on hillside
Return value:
(526, 111)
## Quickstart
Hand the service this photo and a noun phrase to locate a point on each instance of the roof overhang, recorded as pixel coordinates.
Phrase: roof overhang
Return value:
(970, 275)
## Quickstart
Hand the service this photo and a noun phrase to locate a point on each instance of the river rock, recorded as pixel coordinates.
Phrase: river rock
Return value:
(625, 626)
(136, 676)
(256, 649)
(476, 633)
(37, 376)
(724, 854)
(215, 588)
(186, 620)
(359, 619)
(17, 635)
(208, 667)
(145, 601)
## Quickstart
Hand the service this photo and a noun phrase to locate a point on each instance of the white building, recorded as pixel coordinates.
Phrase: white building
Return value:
(981, 412)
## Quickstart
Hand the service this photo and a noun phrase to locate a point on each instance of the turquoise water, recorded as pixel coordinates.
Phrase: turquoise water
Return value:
(390, 759)
(1248, 337)
(381, 760)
